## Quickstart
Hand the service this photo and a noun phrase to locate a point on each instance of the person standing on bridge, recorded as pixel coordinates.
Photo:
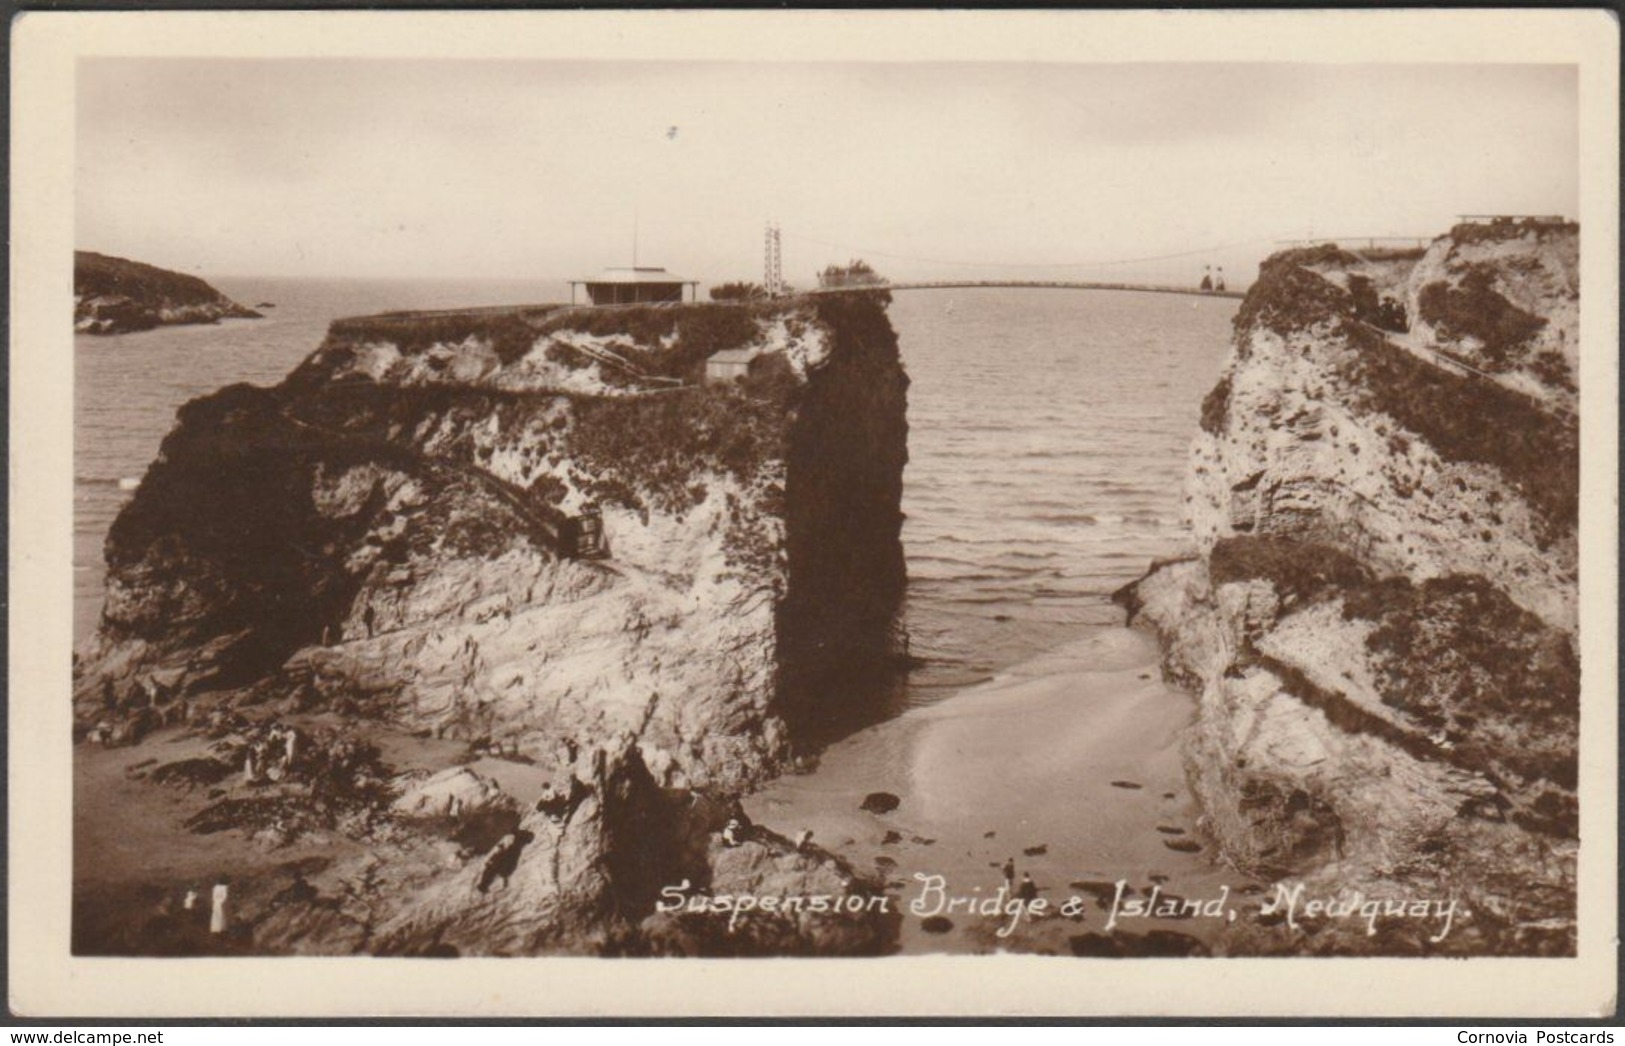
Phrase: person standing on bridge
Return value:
(1218, 281)
(1207, 279)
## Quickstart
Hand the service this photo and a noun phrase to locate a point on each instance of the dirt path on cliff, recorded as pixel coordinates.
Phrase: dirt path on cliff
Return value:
(1068, 764)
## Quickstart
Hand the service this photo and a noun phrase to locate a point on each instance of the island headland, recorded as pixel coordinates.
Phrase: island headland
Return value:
(542, 581)
(117, 296)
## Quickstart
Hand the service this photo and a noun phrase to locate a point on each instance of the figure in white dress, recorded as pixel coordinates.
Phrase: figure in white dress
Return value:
(217, 916)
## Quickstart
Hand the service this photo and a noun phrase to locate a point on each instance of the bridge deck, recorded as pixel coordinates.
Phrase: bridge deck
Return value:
(1059, 285)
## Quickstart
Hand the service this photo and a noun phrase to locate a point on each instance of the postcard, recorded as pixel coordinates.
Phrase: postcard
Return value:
(839, 513)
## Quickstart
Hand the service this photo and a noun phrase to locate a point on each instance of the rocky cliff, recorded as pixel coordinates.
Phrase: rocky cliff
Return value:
(1381, 620)
(394, 536)
(115, 296)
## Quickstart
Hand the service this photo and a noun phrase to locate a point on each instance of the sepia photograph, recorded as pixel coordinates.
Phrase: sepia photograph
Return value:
(617, 503)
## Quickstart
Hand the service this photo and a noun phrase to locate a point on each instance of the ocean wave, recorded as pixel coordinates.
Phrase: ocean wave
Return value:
(113, 482)
(1083, 518)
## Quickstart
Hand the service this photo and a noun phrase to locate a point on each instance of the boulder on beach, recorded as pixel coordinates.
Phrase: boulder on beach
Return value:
(879, 803)
(451, 791)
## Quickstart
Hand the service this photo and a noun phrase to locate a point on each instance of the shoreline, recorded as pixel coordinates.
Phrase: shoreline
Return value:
(1068, 764)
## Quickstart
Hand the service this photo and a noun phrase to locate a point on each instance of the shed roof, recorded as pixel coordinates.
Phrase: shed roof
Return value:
(638, 274)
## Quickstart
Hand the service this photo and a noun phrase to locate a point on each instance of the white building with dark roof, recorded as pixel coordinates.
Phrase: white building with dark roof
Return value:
(637, 285)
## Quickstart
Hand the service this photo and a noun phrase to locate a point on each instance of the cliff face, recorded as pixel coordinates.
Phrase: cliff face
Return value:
(404, 495)
(1381, 620)
(115, 295)
(389, 537)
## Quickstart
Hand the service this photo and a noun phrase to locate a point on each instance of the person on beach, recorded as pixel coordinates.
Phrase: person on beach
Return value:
(217, 912)
(368, 618)
(733, 833)
(803, 839)
(1027, 893)
(1010, 872)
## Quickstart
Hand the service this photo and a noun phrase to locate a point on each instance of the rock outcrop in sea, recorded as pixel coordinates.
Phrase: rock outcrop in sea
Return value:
(116, 296)
(402, 537)
(1380, 624)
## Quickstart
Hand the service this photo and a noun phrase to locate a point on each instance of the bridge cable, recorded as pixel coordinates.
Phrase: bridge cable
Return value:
(865, 252)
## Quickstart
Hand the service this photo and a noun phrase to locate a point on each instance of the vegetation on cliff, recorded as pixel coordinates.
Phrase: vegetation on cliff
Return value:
(646, 453)
(1453, 656)
(1462, 661)
(1289, 296)
(116, 295)
(1300, 571)
(1473, 309)
(1380, 626)
(511, 332)
(1466, 418)
(383, 539)
(671, 343)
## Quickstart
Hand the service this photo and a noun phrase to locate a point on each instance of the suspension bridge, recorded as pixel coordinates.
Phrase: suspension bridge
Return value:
(1058, 285)
(1162, 281)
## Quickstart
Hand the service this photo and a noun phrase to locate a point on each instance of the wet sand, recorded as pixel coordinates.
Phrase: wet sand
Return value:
(1069, 764)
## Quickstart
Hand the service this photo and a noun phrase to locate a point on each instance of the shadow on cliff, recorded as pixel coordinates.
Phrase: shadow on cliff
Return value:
(838, 625)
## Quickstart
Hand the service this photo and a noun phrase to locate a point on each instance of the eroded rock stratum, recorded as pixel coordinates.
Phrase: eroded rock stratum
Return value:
(388, 541)
(1381, 622)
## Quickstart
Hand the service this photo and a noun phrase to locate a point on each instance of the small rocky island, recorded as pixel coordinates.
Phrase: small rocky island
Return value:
(117, 296)
(466, 637)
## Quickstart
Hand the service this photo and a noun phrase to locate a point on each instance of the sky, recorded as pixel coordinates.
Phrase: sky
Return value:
(542, 169)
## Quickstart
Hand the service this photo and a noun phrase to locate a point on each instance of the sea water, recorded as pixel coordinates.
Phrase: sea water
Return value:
(1048, 436)
(1047, 442)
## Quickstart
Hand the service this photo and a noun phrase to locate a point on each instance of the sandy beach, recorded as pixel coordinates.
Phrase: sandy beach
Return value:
(1069, 764)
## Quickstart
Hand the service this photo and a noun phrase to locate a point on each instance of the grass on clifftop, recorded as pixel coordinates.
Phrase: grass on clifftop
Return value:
(1288, 296)
(507, 333)
(96, 275)
(1500, 231)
